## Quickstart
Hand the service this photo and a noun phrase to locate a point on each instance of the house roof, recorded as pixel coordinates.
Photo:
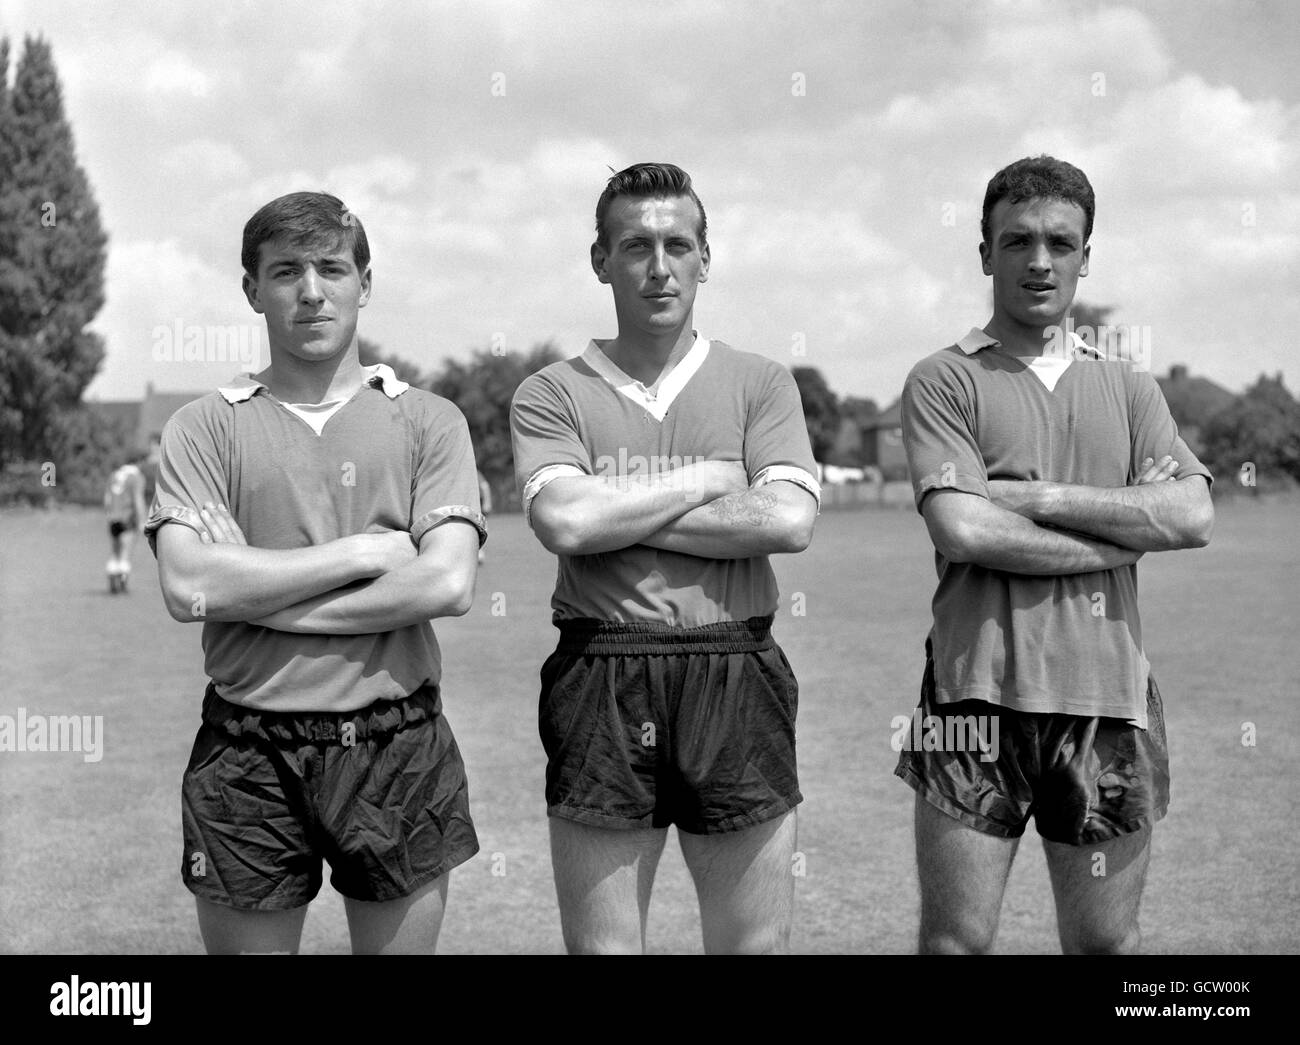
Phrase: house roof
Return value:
(1192, 400)
(125, 410)
(144, 418)
(158, 407)
(890, 417)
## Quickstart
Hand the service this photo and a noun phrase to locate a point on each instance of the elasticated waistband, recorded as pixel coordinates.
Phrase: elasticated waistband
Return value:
(612, 638)
(381, 718)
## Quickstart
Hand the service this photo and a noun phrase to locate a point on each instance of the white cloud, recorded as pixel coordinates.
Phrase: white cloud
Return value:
(155, 285)
(813, 241)
(1050, 46)
(388, 175)
(830, 213)
(175, 72)
(204, 159)
(1187, 136)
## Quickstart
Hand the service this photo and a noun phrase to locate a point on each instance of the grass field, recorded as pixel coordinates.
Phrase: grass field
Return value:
(90, 852)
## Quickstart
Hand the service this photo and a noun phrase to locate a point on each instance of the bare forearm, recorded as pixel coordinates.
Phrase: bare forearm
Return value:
(740, 526)
(437, 583)
(970, 529)
(1152, 517)
(1025, 547)
(406, 596)
(229, 582)
(585, 515)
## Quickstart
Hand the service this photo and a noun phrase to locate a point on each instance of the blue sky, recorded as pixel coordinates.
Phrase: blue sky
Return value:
(841, 151)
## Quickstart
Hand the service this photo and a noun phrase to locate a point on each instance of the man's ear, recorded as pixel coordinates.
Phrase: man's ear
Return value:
(250, 292)
(705, 257)
(986, 258)
(365, 288)
(599, 259)
(1087, 253)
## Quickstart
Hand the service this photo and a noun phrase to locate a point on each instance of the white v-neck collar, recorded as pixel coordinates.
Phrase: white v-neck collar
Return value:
(655, 405)
(1048, 368)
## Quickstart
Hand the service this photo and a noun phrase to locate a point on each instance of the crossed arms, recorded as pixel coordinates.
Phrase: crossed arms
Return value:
(360, 584)
(1023, 526)
(706, 508)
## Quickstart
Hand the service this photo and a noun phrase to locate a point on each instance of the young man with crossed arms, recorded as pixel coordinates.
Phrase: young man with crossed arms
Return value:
(663, 469)
(314, 518)
(1043, 477)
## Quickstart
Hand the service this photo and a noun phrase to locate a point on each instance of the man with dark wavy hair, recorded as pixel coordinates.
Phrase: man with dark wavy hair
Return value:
(663, 469)
(315, 517)
(1043, 477)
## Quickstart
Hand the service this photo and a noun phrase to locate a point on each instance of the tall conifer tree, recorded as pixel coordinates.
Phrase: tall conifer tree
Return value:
(52, 255)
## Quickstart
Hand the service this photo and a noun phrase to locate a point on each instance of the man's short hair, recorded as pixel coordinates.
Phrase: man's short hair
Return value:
(1042, 176)
(647, 181)
(305, 219)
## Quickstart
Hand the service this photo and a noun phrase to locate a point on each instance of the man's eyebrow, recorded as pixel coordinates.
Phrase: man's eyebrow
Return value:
(297, 258)
(1058, 231)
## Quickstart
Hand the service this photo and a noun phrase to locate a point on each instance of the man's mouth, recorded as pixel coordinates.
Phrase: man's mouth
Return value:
(1035, 285)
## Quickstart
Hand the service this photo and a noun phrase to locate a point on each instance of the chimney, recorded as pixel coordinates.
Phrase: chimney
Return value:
(1178, 372)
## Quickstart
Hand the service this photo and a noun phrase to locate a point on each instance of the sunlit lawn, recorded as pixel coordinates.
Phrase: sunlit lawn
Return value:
(90, 853)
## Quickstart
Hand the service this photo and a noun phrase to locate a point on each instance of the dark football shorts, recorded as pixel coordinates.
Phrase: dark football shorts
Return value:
(117, 527)
(647, 725)
(379, 793)
(1084, 780)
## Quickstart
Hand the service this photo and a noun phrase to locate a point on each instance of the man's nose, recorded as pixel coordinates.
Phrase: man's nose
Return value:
(658, 264)
(1040, 258)
(309, 287)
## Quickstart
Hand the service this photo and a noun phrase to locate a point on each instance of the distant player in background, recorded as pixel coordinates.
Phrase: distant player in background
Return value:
(125, 503)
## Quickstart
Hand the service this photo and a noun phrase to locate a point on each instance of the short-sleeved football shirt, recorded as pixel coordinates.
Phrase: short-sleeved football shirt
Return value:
(390, 458)
(124, 486)
(1072, 643)
(585, 416)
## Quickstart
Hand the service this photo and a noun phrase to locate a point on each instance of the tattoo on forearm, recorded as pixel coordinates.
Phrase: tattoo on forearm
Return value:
(752, 508)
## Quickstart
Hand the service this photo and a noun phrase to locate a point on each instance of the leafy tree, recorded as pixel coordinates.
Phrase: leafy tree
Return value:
(368, 354)
(1088, 318)
(1192, 402)
(860, 410)
(90, 447)
(482, 387)
(52, 254)
(1263, 428)
(849, 450)
(821, 409)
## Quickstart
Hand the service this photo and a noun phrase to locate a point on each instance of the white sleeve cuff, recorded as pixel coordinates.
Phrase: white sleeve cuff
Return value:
(538, 480)
(790, 474)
